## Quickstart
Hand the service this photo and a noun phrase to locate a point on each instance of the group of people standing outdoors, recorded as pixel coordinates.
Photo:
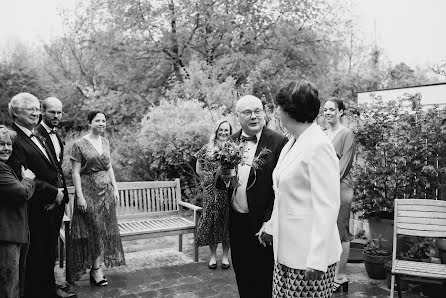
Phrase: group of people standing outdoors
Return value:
(286, 222)
(33, 195)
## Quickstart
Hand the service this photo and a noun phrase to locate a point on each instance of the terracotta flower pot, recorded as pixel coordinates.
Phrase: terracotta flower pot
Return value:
(374, 265)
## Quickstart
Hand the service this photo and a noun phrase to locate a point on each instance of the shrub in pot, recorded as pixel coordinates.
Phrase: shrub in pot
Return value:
(374, 258)
(397, 151)
(417, 249)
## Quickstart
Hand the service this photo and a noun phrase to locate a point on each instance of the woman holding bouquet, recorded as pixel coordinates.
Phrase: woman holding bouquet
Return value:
(211, 227)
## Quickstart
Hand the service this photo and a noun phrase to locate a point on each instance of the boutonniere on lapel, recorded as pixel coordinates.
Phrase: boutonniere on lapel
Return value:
(259, 160)
(40, 137)
(257, 163)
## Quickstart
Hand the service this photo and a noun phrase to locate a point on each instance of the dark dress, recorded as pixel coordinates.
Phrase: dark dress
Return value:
(96, 230)
(212, 226)
(344, 144)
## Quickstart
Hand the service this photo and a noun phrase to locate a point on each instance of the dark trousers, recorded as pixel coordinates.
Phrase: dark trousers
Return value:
(44, 229)
(12, 269)
(253, 264)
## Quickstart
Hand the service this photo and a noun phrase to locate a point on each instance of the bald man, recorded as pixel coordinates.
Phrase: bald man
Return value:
(45, 210)
(51, 116)
(252, 199)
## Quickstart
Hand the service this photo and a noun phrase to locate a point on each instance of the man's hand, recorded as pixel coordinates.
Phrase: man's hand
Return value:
(313, 274)
(59, 196)
(264, 238)
(27, 173)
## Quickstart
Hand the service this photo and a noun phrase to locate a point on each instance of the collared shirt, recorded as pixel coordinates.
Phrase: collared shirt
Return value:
(240, 201)
(54, 140)
(34, 139)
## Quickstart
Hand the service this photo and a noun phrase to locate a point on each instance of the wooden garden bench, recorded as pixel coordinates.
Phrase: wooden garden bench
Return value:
(423, 218)
(145, 209)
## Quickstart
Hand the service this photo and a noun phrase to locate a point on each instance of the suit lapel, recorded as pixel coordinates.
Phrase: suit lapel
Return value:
(30, 142)
(50, 150)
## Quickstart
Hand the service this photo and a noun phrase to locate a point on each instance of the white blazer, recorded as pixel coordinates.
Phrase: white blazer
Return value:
(306, 186)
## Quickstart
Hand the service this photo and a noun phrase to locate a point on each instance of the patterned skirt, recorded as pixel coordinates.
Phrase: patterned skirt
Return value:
(289, 282)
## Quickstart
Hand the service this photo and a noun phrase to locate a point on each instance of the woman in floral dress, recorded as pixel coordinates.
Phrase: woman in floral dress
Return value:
(211, 227)
(94, 227)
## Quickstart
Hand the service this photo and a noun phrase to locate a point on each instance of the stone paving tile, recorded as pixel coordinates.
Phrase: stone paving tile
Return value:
(155, 277)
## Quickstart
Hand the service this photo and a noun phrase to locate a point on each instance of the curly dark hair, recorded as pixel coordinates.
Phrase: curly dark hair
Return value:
(300, 100)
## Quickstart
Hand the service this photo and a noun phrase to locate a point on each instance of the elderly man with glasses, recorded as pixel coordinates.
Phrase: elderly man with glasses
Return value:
(252, 199)
(32, 151)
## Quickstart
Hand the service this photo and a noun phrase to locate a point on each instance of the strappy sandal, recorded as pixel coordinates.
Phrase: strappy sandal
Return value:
(101, 283)
(338, 286)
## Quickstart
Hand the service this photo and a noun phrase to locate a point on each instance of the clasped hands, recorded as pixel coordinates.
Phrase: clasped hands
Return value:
(57, 202)
(267, 239)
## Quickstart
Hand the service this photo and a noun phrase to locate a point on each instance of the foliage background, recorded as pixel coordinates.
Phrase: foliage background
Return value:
(165, 71)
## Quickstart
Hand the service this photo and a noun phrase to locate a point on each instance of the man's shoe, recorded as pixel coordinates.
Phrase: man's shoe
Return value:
(59, 293)
(65, 287)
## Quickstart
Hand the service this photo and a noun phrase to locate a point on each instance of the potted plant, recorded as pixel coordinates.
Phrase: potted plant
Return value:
(440, 243)
(416, 249)
(396, 159)
(374, 258)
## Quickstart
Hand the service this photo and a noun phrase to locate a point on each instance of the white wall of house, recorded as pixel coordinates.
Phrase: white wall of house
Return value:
(430, 94)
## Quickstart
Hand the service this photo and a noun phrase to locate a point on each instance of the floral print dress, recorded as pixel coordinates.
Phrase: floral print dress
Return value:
(95, 231)
(212, 226)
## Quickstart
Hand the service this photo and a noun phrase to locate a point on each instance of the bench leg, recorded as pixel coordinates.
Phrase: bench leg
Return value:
(398, 287)
(61, 253)
(195, 247)
(180, 242)
(392, 286)
(68, 262)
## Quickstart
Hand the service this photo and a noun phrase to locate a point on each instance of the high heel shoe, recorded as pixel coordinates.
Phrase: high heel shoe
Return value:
(101, 283)
(338, 286)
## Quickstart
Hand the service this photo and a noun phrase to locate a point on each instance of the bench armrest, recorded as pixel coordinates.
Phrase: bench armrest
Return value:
(193, 207)
(190, 206)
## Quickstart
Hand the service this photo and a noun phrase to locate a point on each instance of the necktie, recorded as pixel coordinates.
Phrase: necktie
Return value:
(52, 131)
(248, 139)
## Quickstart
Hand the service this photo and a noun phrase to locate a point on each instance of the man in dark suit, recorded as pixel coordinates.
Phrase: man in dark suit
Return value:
(45, 209)
(252, 200)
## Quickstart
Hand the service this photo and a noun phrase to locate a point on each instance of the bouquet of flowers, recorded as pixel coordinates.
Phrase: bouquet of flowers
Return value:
(227, 155)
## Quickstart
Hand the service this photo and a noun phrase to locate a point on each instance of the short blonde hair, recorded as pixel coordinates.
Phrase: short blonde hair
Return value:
(4, 130)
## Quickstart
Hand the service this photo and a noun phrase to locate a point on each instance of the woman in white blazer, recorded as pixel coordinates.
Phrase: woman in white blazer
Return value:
(306, 183)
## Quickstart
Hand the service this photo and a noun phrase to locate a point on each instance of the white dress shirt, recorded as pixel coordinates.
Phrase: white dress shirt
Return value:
(240, 201)
(54, 140)
(34, 139)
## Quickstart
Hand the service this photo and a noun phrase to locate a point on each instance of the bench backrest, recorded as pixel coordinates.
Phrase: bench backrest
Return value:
(420, 217)
(143, 199)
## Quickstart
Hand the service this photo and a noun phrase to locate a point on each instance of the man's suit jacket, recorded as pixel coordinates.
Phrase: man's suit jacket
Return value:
(25, 152)
(13, 208)
(307, 187)
(43, 132)
(261, 195)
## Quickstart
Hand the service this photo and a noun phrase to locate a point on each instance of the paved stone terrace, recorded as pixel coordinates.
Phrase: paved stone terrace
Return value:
(155, 269)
